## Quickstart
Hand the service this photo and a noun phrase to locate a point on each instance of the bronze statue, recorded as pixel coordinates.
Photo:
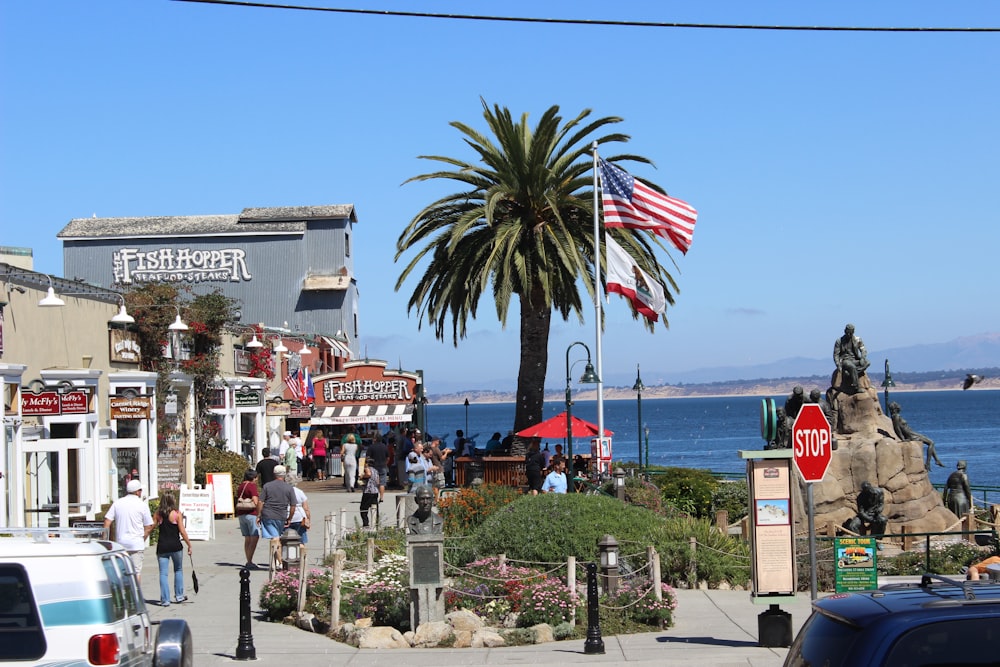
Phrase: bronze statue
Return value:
(424, 521)
(904, 433)
(794, 402)
(851, 359)
(782, 432)
(957, 494)
(869, 520)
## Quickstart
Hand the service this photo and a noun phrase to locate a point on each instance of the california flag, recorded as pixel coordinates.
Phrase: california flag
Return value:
(626, 278)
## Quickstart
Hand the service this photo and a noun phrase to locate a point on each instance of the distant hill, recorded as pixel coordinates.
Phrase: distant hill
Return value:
(922, 381)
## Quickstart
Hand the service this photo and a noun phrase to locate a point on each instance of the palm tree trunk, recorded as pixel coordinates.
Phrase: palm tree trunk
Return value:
(536, 318)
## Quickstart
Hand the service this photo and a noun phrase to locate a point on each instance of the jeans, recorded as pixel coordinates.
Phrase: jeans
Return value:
(164, 560)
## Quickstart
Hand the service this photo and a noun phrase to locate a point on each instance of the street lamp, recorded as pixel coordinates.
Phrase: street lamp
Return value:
(637, 388)
(466, 432)
(886, 383)
(590, 377)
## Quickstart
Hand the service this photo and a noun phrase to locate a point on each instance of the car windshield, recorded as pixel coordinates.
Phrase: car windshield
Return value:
(822, 641)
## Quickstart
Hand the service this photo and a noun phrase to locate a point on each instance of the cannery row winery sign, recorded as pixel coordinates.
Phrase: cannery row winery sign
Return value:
(180, 265)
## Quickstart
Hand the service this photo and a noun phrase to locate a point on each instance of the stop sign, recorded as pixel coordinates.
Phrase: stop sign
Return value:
(811, 445)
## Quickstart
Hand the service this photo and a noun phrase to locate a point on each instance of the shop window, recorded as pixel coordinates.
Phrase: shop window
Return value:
(62, 431)
(128, 428)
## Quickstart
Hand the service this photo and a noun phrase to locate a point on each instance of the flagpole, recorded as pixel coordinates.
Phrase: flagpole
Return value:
(597, 313)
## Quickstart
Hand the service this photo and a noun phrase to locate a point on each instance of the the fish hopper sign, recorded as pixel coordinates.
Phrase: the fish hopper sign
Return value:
(365, 392)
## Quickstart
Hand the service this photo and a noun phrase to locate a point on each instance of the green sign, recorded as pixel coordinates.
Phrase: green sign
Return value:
(856, 560)
(250, 399)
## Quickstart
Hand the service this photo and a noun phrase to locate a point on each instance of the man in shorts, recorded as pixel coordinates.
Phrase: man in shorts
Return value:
(133, 523)
(275, 508)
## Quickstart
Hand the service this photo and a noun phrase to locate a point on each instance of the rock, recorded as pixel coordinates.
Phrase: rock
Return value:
(433, 633)
(543, 633)
(464, 620)
(309, 622)
(379, 636)
(363, 623)
(486, 638)
(463, 639)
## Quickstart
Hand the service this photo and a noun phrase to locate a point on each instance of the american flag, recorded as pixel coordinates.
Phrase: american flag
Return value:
(294, 385)
(628, 202)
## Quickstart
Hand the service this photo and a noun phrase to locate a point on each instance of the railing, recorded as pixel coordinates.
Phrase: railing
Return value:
(908, 538)
(986, 490)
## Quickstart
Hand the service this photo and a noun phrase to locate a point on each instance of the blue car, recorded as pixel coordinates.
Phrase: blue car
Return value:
(935, 622)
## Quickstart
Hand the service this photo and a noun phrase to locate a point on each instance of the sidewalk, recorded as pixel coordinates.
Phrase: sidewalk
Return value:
(712, 627)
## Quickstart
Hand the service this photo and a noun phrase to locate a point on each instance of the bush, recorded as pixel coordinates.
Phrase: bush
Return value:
(688, 489)
(389, 540)
(466, 510)
(718, 557)
(733, 497)
(489, 590)
(382, 595)
(949, 559)
(641, 493)
(279, 597)
(634, 603)
(213, 459)
(548, 601)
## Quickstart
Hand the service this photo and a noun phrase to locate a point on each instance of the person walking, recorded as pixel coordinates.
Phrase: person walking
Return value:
(349, 460)
(169, 549)
(247, 516)
(275, 509)
(369, 495)
(301, 517)
(416, 467)
(133, 523)
(378, 459)
(319, 448)
(265, 467)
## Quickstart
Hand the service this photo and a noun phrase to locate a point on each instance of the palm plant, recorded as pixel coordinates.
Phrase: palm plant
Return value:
(521, 226)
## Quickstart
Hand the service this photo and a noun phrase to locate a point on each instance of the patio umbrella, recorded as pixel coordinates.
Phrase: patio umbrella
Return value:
(555, 427)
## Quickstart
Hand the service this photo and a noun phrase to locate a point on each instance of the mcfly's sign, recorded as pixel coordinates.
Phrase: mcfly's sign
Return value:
(50, 402)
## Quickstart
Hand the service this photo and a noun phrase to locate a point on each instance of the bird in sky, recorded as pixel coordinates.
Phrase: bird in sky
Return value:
(970, 380)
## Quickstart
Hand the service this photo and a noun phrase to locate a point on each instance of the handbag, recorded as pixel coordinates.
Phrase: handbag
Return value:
(245, 504)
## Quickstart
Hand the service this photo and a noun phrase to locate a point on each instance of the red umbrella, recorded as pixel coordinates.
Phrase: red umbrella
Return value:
(555, 427)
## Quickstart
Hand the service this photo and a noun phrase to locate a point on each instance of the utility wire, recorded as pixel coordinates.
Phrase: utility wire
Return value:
(591, 22)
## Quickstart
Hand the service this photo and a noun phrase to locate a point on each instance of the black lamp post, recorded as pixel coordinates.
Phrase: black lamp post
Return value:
(589, 376)
(637, 388)
(886, 383)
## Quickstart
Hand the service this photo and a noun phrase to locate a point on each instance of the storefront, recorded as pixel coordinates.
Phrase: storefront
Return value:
(238, 415)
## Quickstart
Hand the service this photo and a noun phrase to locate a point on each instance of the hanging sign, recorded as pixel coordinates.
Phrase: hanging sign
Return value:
(123, 407)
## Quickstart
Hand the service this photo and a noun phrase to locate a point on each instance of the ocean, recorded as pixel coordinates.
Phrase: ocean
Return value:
(709, 432)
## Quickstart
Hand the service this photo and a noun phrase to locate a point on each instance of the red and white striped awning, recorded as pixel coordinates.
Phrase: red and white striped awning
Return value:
(365, 414)
(339, 348)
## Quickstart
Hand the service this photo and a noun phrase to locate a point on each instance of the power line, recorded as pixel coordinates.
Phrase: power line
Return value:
(590, 22)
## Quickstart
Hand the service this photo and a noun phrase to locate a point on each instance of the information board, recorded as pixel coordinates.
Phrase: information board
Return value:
(196, 505)
(222, 491)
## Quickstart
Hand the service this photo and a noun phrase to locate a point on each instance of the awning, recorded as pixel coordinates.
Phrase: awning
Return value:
(365, 414)
(339, 349)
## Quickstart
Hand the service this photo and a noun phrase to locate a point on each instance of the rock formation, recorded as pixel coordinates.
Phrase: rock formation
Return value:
(867, 450)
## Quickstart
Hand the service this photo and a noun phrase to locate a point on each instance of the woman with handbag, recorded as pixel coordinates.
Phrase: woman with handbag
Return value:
(246, 511)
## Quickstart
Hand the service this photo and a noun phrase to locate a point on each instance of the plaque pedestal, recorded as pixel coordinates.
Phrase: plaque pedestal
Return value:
(425, 554)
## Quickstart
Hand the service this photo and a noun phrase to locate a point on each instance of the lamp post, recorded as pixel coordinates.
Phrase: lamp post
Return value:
(589, 376)
(466, 432)
(637, 388)
(886, 383)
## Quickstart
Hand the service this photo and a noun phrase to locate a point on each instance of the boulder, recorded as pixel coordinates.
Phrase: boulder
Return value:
(433, 633)
(543, 633)
(487, 638)
(463, 619)
(379, 636)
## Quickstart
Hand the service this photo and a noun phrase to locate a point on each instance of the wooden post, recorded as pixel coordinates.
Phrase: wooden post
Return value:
(693, 563)
(745, 527)
(831, 529)
(571, 584)
(339, 556)
(907, 539)
(502, 562)
(327, 537)
(722, 521)
(343, 524)
(370, 555)
(303, 566)
(654, 572)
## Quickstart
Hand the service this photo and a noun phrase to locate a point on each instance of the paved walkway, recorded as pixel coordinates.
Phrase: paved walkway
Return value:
(712, 628)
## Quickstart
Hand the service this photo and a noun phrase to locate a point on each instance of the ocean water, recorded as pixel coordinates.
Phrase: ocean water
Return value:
(709, 432)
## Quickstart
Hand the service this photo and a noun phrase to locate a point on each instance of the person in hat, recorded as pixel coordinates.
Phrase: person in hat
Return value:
(275, 509)
(133, 523)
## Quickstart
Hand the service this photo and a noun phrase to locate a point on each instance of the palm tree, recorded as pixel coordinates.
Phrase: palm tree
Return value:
(521, 226)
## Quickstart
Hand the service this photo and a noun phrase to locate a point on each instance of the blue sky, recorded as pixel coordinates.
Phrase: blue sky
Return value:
(838, 176)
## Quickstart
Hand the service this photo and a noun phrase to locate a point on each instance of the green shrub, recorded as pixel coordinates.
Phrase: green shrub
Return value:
(717, 557)
(389, 540)
(213, 459)
(279, 597)
(688, 489)
(382, 595)
(641, 493)
(949, 559)
(634, 607)
(733, 497)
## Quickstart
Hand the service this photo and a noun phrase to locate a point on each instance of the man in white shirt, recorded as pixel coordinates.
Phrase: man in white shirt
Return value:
(133, 522)
(286, 441)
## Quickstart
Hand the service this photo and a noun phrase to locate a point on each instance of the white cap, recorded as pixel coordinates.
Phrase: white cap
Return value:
(279, 471)
(288, 433)
(133, 486)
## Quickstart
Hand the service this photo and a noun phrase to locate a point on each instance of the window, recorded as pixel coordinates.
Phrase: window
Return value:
(347, 244)
(21, 633)
(821, 641)
(968, 641)
(119, 602)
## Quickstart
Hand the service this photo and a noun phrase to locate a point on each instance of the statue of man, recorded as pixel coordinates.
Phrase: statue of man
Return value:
(957, 494)
(871, 502)
(904, 433)
(424, 521)
(851, 359)
(794, 402)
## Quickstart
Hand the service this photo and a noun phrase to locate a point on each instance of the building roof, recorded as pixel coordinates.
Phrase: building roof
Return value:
(251, 221)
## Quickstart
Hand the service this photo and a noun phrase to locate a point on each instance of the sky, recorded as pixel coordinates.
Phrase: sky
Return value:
(839, 176)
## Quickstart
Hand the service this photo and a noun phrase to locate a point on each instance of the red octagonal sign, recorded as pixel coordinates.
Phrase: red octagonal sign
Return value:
(811, 442)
